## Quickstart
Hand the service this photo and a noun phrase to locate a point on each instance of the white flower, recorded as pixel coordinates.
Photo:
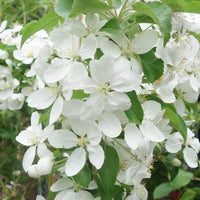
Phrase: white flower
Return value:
(33, 136)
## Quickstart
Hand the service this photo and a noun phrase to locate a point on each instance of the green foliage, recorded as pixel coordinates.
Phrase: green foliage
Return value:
(160, 13)
(64, 7)
(182, 179)
(47, 22)
(183, 5)
(85, 6)
(176, 121)
(113, 27)
(152, 66)
(83, 178)
(134, 113)
(188, 195)
(162, 190)
(108, 173)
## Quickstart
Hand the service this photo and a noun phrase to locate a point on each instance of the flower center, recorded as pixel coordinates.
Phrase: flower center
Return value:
(82, 141)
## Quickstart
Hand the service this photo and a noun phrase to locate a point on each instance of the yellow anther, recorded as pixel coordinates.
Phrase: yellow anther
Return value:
(82, 141)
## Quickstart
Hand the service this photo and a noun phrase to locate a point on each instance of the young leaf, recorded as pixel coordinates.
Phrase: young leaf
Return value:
(176, 121)
(182, 179)
(160, 13)
(152, 66)
(109, 170)
(85, 6)
(134, 113)
(83, 177)
(162, 190)
(63, 7)
(47, 22)
(113, 27)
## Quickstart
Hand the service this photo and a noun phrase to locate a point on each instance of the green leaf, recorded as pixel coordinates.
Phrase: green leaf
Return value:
(47, 22)
(176, 121)
(188, 195)
(182, 179)
(152, 66)
(79, 94)
(132, 30)
(162, 190)
(118, 192)
(109, 170)
(83, 178)
(85, 6)
(160, 13)
(135, 112)
(64, 7)
(113, 27)
(183, 6)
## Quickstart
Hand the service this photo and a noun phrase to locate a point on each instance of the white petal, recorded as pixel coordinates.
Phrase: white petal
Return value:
(39, 197)
(43, 151)
(46, 132)
(92, 19)
(145, 42)
(190, 157)
(174, 143)
(79, 127)
(150, 131)
(133, 136)
(75, 162)
(88, 47)
(102, 69)
(56, 110)
(24, 137)
(93, 134)
(110, 125)
(66, 194)
(28, 158)
(96, 155)
(61, 184)
(118, 101)
(56, 71)
(35, 118)
(62, 139)
(72, 108)
(41, 98)
(84, 195)
(32, 172)
(44, 165)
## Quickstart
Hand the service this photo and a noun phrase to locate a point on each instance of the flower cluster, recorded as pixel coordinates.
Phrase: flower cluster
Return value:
(96, 91)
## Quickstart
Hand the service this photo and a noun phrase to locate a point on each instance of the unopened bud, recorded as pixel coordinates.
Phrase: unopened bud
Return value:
(176, 162)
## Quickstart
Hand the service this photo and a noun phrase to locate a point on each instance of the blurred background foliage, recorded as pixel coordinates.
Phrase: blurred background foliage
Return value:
(14, 182)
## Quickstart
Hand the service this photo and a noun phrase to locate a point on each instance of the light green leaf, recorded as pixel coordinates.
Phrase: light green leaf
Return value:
(109, 170)
(79, 94)
(188, 195)
(64, 7)
(152, 66)
(83, 177)
(47, 22)
(183, 6)
(113, 27)
(135, 112)
(176, 121)
(162, 190)
(182, 179)
(160, 13)
(85, 6)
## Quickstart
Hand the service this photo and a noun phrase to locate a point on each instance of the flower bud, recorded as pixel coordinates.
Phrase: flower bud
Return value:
(44, 165)
(32, 172)
(176, 162)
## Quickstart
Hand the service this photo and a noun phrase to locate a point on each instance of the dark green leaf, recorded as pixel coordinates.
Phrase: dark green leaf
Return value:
(113, 27)
(152, 66)
(182, 179)
(85, 6)
(135, 112)
(162, 190)
(83, 177)
(160, 13)
(118, 192)
(47, 22)
(109, 170)
(64, 7)
(176, 121)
